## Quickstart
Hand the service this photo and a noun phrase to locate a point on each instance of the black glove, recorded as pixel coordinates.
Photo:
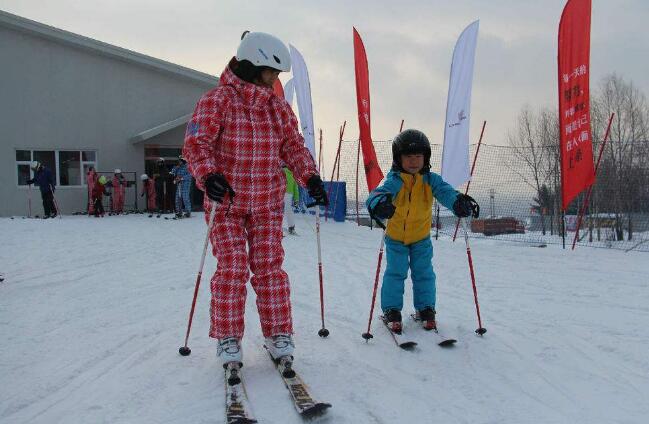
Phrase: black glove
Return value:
(30, 181)
(384, 209)
(317, 190)
(216, 186)
(465, 206)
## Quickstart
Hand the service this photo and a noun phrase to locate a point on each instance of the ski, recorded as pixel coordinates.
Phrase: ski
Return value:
(237, 406)
(303, 401)
(402, 341)
(443, 341)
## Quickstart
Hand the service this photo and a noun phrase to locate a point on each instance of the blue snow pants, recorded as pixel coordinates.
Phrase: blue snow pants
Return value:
(182, 196)
(419, 258)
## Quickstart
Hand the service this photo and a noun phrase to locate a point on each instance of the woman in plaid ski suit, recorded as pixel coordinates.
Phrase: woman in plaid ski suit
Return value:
(238, 137)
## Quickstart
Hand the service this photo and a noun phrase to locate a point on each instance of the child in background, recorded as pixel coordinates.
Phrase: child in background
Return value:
(98, 192)
(148, 188)
(291, 200)
(406, 198)
(91, 181)
(118, 184)
(183, 181)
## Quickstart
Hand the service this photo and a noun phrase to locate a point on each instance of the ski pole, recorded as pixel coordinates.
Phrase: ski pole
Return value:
(185, 350)
(56, 204)
(323, 332)
(481, 330)
(367, 336)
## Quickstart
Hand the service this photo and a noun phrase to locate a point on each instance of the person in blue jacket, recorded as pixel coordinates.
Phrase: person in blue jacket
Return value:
(183, 181)
(45, 181)
(406, 199)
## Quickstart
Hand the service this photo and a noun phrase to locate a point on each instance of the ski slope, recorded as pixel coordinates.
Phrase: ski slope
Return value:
(92, 312)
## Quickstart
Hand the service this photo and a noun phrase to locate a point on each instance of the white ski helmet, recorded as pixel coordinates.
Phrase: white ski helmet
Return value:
(118, 171)
(144, 177)
(263, 49)
(35, 164)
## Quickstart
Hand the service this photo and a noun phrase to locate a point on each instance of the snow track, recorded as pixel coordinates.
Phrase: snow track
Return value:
(92, 313)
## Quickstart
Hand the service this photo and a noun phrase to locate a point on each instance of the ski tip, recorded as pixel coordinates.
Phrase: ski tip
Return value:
(447, 343)
(408, 345)
(316, 410)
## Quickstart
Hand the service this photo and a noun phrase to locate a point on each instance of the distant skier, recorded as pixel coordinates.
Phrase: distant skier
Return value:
(183, 181)
(119, 185)
(235, 142)
(91, 181)
(406, 198)
(148, 189)
(162, 188)
(291, 200)
(45, 181)
(98, 192)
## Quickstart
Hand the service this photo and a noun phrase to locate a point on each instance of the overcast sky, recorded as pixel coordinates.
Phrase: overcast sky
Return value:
(409, 46)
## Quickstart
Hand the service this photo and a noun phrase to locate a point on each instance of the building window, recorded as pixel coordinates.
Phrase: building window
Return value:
(68, 167)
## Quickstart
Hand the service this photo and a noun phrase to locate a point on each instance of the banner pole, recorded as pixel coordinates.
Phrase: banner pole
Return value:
(358, 156)
(333, 170)
(590, 188)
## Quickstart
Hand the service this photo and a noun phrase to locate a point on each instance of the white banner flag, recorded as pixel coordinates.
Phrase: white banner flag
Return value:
(289, 89)
(455, 156)
(303, 94)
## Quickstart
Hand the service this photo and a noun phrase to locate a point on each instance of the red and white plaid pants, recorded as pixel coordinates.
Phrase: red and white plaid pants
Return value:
(262, 232)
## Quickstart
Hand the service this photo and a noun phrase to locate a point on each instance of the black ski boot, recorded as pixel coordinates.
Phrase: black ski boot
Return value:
(427, 318)
(393, 320)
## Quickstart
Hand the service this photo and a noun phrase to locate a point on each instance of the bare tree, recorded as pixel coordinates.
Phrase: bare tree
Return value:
(530, 154)
(625, 158)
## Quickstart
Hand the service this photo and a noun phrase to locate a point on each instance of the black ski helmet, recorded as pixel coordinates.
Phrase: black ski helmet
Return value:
(410, 142)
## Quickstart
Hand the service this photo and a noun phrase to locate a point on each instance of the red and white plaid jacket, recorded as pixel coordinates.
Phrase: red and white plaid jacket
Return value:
(245, 132)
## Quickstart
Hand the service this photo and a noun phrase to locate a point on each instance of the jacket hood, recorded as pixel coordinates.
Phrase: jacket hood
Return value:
(252, 93)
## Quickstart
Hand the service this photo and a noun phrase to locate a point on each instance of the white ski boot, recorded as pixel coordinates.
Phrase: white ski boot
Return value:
(281, 348)
(229, 350)
(280, 345)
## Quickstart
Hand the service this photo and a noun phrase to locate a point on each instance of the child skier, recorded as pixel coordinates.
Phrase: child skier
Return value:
(98, 192)
(291, 200)
(118, 184)
(406, 198)
(148, 189)
(236, 140)
(91, 181)
(183, 181)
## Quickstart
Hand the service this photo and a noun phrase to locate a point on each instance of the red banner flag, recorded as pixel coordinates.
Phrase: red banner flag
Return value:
(577, 170)
(373, 172)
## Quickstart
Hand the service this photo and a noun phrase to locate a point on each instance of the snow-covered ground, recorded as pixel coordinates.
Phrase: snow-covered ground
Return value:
(92, 312)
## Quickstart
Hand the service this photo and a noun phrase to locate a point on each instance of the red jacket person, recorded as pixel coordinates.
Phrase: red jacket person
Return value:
(235, 143)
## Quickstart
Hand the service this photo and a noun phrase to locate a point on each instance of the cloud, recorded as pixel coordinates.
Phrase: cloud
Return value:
(409, 46)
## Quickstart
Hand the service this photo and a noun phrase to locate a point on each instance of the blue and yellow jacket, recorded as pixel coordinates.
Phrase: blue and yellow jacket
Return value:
(412, 195)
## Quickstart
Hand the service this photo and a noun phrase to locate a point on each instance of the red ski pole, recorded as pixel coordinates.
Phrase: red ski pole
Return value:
(481, 330)
(367, 336)
(185, 350)
(323, 332)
